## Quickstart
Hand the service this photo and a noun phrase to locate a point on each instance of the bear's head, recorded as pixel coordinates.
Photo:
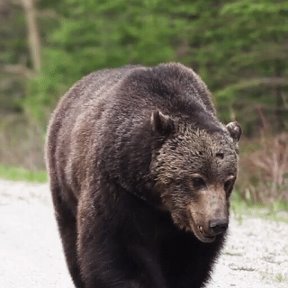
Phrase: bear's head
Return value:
(195, 171)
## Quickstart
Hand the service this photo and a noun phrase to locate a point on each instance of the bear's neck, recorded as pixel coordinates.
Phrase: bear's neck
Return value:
(129, 165)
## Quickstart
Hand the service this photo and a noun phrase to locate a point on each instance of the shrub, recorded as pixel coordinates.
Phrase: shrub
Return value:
(263, 176)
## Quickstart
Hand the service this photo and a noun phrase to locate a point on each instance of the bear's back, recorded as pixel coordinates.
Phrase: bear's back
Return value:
(72, 121)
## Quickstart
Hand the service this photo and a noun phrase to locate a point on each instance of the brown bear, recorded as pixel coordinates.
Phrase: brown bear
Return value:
(141, 171)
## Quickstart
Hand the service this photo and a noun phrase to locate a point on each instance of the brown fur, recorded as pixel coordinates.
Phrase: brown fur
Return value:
(139, 168)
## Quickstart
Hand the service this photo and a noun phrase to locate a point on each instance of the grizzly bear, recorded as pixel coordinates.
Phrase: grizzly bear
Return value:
(141, 171)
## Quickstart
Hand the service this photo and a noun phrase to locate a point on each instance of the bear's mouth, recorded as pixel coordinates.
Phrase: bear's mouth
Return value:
(205, 237)
(199, 232)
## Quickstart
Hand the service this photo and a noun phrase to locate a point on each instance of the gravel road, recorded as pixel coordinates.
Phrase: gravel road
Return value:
(255, 255)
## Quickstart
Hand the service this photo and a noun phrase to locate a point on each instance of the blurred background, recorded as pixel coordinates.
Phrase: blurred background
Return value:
(238, 47)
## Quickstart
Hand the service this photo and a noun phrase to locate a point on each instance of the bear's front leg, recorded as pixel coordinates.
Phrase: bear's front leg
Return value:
(106, 261)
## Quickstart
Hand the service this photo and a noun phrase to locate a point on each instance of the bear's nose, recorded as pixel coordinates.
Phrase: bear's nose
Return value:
(218, 226)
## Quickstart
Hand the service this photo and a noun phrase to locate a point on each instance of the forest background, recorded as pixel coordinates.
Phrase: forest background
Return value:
(238, 47)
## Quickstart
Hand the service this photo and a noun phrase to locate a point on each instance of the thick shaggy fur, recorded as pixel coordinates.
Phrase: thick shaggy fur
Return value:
(118, 145)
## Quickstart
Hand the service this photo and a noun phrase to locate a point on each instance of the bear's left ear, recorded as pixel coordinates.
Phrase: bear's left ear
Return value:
(234, 130)
(161, 124)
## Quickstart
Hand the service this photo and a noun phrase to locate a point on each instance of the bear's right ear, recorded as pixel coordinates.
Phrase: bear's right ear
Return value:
(234, 130)
(161, 124)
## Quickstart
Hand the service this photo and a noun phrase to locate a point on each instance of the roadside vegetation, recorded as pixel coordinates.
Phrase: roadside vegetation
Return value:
(238, 47)
(22, 174)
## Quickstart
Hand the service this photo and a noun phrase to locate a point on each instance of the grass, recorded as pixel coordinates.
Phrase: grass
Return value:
(270, 212)
(279, 277)
(21, 174)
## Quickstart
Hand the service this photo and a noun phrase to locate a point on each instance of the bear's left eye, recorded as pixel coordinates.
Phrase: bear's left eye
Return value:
(198, 181)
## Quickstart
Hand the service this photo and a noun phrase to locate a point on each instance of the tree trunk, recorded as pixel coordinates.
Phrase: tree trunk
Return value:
(279, 98)
(33, 34)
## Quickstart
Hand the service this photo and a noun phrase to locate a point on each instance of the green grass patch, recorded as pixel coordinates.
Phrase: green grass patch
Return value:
(21, 174)
(276, 211)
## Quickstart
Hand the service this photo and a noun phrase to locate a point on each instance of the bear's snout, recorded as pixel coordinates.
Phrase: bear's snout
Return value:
(218, 226)
(206, 224)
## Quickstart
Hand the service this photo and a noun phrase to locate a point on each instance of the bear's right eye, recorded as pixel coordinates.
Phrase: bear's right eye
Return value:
(228, 185)
(198, 182)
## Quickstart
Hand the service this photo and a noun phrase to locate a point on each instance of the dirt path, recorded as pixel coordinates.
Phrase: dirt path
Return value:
(256, 253)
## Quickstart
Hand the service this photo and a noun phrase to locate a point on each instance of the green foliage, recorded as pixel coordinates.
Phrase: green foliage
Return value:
(238, 47)
(12, 23)
(257, 40)
(97, 34)
(21, 174)
(13, 50)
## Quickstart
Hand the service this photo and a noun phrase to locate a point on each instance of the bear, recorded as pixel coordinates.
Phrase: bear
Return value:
(141, 172)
